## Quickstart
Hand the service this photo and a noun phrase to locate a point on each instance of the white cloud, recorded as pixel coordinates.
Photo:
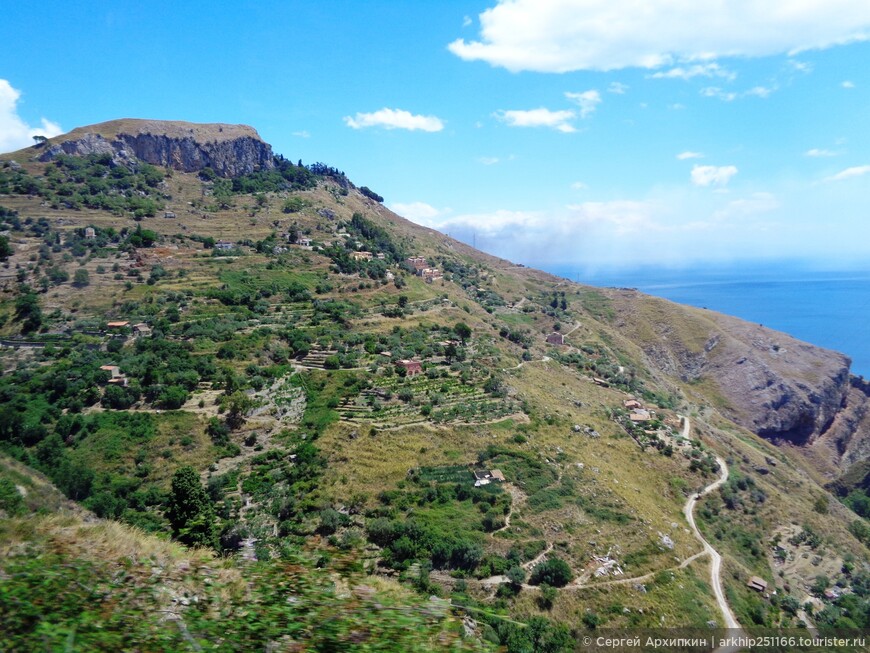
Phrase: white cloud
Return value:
(760, 91)
(558, 120)
(816, 152)
(682, 156)
(730, 96)
(560, 36)
(848, 84)
(466, 21)
(302, 134)
(395, 119)
(715, 91)
(488, 160)
(418, 212)
(579, 185)
(712, 175)
(849, 173)
(618, 88)
(15, 133)
(698, 70)
(800, 66)
(588, 101)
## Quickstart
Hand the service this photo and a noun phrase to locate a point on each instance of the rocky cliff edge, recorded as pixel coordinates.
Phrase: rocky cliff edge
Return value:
(230, 150)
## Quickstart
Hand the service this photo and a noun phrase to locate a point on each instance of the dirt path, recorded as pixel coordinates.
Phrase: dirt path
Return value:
(716, 559)
(517, 496)
(545, 359)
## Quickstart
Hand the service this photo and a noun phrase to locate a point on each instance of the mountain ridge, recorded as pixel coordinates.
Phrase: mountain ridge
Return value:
(337, 406)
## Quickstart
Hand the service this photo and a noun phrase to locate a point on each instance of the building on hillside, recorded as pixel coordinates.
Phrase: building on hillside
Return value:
(141, 330)
(487, 476)
(430, 274)
(303, 241)
(380, 256)
(90, 233)
(416, 262)
(556, 338)
(757, 584)
(640, 415)
(169, 215)
(113, 370)
(118, 324)
(361, 256)
(411, 367)
(224, 246)
(631, 404)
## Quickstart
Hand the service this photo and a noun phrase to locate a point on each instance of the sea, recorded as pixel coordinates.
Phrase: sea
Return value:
(826, 308)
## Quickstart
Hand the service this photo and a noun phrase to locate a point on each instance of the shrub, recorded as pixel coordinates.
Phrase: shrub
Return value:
(554, 572)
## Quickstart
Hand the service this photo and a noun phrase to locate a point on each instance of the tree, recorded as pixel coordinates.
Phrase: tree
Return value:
(462, 330)
(5, 248)
(516, 575)
(190, 511)
(81, 278)
(27, 310)
(239, 405)
(11, 501)
(39, 140)
(554, 572)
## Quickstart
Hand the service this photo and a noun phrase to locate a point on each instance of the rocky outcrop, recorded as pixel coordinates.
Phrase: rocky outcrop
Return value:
(781, 388)
(230, 150)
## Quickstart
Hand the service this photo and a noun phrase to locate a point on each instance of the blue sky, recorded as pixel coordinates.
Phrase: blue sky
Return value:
(586, 132)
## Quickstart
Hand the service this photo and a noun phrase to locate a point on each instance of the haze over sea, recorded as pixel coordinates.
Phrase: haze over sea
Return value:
(827, 308)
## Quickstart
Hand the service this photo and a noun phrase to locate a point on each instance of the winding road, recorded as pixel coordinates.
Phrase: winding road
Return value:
(730, 620)
(716, 559)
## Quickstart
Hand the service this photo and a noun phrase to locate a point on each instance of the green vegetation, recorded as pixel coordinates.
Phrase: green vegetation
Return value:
(261, 405)
(94, 181)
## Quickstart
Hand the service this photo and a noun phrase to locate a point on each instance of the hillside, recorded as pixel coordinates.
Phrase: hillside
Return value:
(259, 358)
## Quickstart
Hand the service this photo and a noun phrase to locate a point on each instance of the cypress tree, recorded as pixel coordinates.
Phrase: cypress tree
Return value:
(190, 510)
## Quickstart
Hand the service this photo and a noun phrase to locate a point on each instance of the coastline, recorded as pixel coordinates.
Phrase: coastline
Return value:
(826, 308)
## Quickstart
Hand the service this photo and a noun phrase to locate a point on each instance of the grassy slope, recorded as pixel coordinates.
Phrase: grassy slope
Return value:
(645, 486)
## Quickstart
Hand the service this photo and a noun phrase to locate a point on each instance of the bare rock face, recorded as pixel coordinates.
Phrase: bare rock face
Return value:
(230, 150)
(781, 388)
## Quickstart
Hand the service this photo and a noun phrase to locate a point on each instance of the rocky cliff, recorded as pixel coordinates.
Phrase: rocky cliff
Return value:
(785, 390)
(230, 150)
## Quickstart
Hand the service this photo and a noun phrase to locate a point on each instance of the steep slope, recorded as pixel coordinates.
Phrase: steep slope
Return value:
(787, 391)
(229, 150)
(275, 334)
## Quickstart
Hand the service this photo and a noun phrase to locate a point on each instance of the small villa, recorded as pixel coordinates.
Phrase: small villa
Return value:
(118, 324)
(113, 370)
(224, 246)
(361, 256)
(90, 233)
(116, 377)
(556, 338)
(411, 367)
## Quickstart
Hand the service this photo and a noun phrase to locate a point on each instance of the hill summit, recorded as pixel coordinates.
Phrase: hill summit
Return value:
(230, 150)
